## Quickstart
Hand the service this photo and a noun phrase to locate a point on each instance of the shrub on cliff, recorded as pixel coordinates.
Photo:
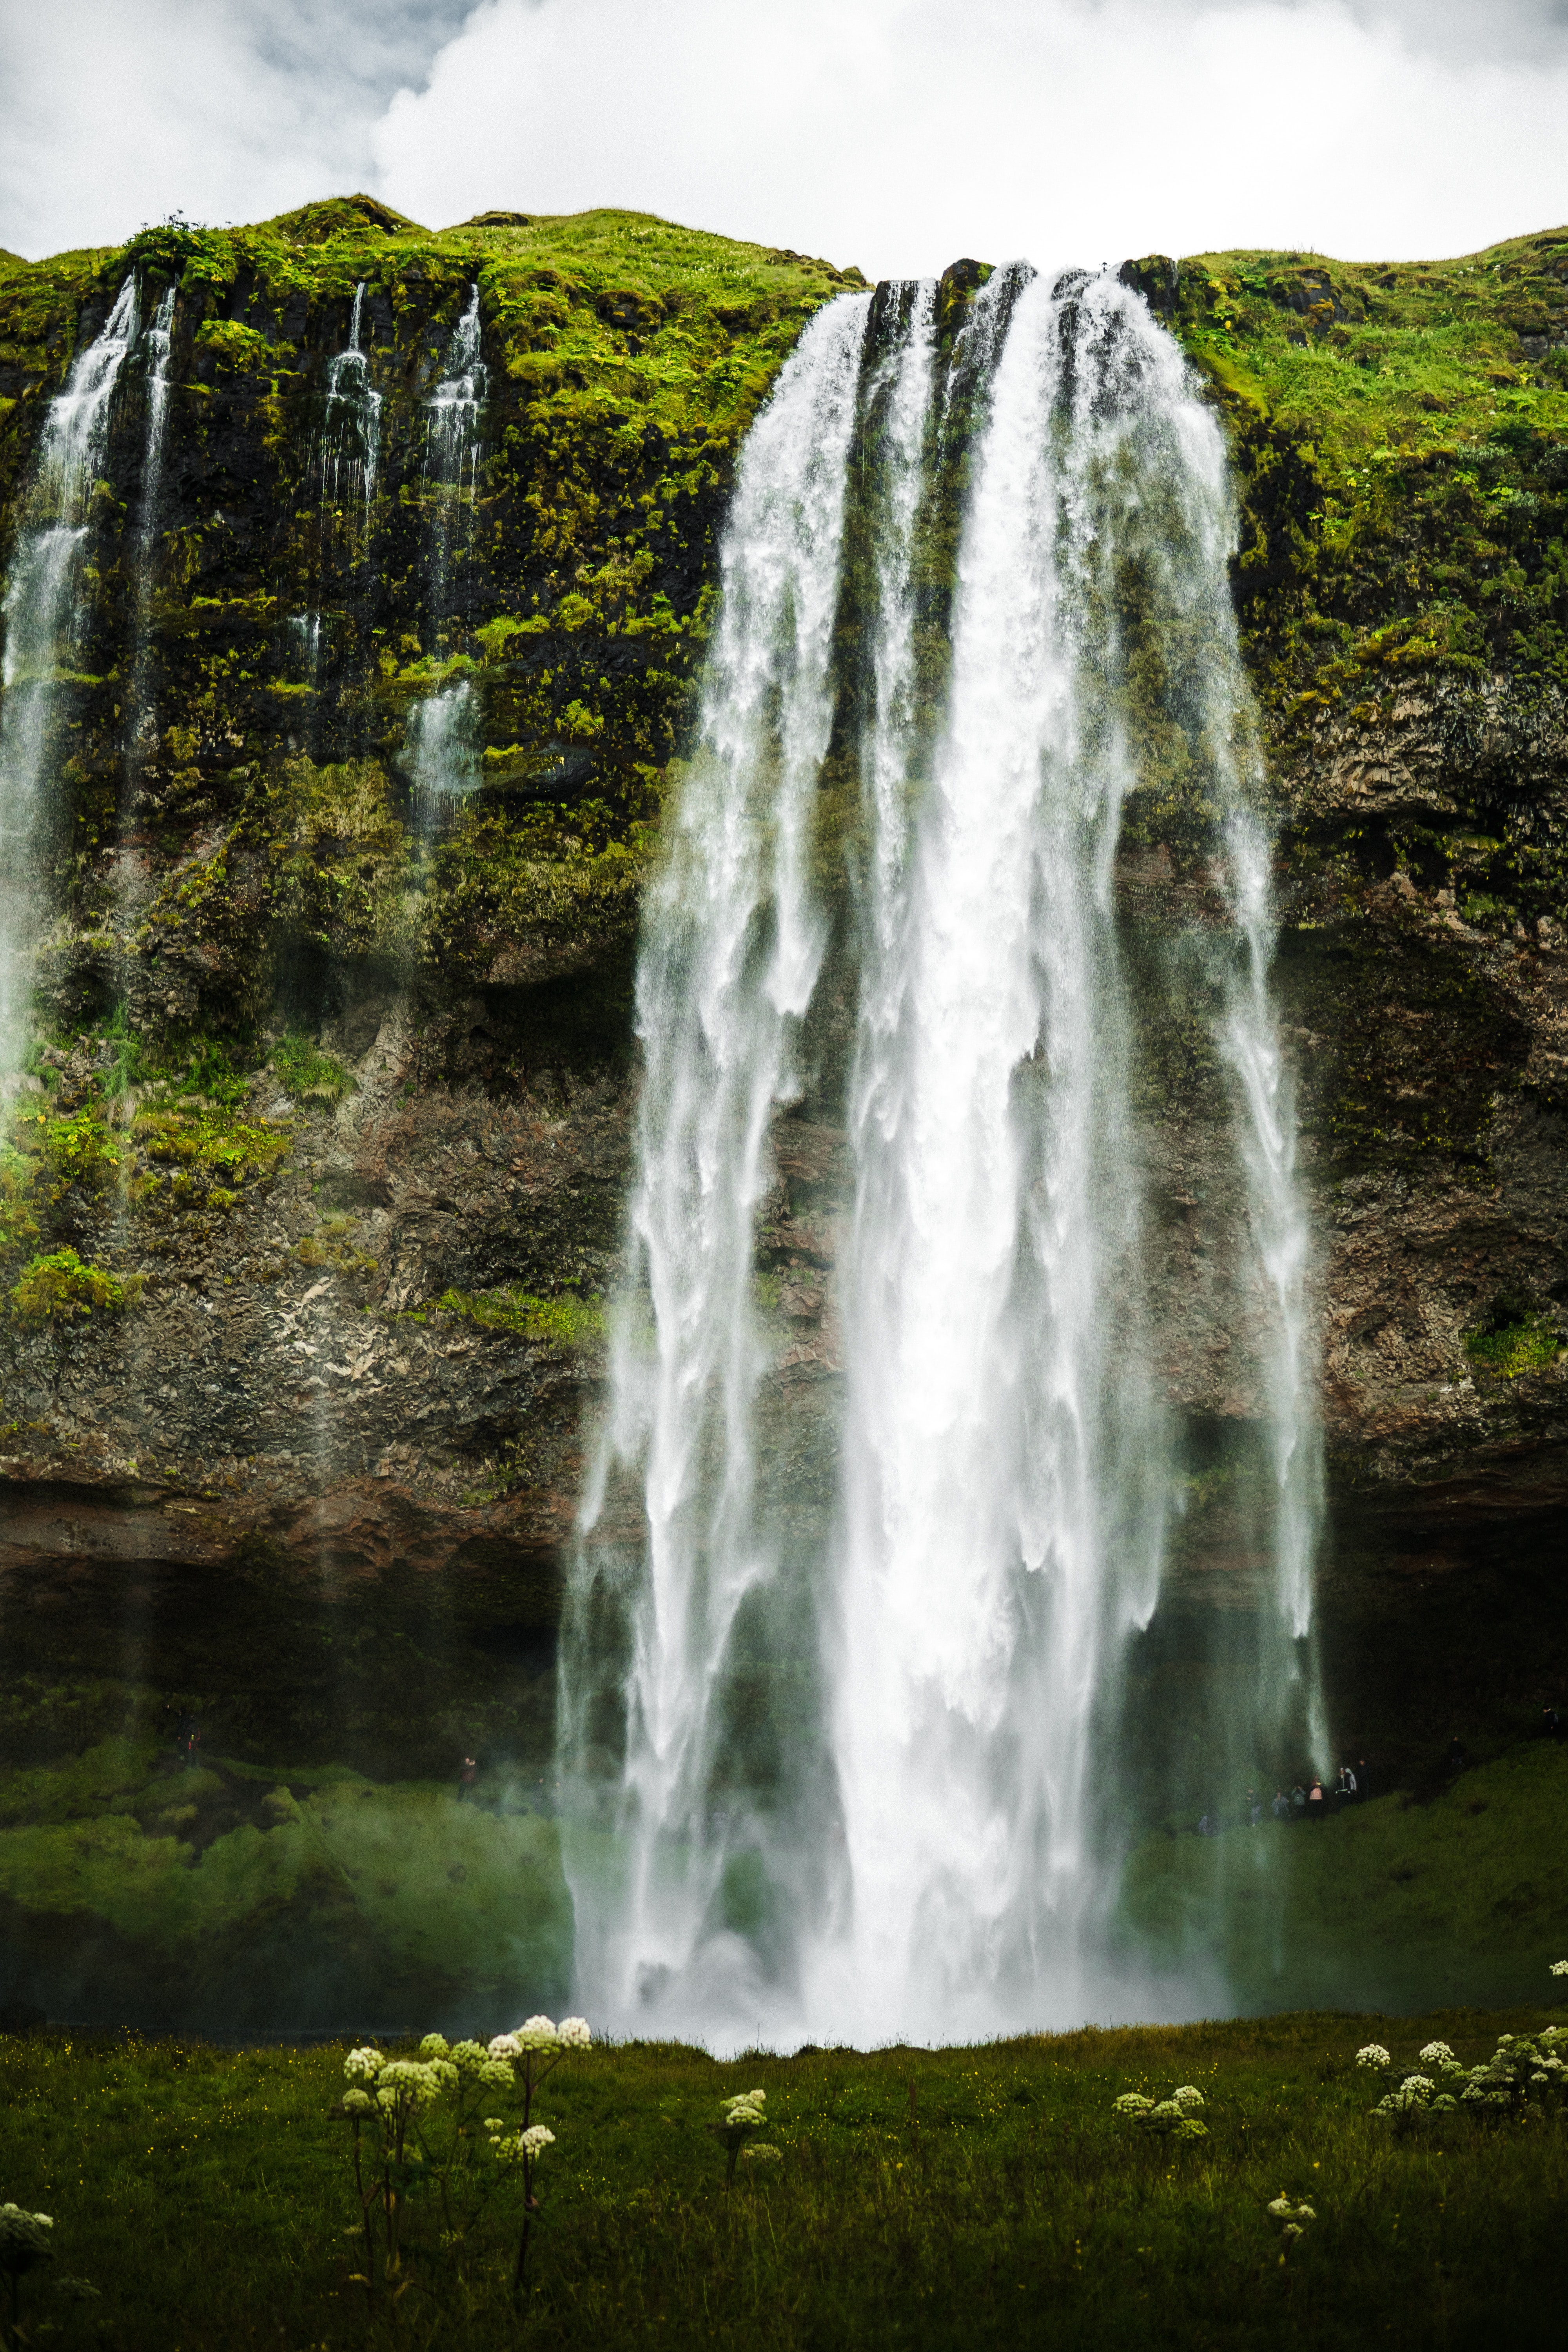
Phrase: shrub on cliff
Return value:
(58, 1287)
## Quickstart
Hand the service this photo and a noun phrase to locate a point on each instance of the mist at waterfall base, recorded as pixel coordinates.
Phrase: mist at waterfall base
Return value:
(846, 1698)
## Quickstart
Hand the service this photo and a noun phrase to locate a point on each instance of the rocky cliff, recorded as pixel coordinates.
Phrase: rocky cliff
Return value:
(313, 1194)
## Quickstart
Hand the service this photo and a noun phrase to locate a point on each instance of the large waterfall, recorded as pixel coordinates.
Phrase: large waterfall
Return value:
(43, 617)
(850, 1768)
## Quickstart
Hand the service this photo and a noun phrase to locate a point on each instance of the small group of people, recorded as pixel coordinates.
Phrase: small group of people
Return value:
(1309, 1802)
(1313, 1802)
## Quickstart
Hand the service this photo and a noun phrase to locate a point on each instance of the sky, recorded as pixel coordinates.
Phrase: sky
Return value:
(896, 135)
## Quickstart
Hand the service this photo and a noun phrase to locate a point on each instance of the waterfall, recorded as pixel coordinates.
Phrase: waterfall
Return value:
(159, 340)
(937, 1851)
(43, 619)
(349, 448)
(442, 746)
(730, 960)
(453, 444)
(996, 1220)
(157, 346)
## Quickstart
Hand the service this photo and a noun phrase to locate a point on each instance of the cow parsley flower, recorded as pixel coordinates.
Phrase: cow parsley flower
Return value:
(1131, 2103)
(760, 2152)
(506, 2045)
(1188, 2096)
(574, 2033)
(363, 2064)
(1560, 1968)
(1437, 2054)
(358, 2103)
(538, 2034)
(412, 2080)
(23, 2237)
(435, 2046)
(536, 2139)
(1375, 2055)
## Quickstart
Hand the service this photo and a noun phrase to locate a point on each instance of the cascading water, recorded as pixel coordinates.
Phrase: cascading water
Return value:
(945, 1858)
(158, 343)
(1001, 1516)
(348, 449)
(452, 445)
(157, 350)
(442, 754)
(43, 618)
(731, 958)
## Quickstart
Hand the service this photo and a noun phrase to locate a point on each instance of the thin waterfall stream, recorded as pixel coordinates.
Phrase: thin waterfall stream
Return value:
(43, 619)
(903, 1814)
(441, 746)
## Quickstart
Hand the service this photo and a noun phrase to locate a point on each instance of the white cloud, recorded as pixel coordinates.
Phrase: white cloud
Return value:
(118, 112)
(898, 134)
(893, 133)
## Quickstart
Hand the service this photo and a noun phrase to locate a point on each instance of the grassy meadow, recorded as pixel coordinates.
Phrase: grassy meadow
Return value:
(986, 2196)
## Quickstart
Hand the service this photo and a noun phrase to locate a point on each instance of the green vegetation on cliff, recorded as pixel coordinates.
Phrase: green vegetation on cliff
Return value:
(258, 686)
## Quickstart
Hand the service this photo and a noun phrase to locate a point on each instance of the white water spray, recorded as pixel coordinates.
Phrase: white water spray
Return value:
(43, 619)
(732, 953)
(348, 449)
(453, 448)
(159, 341)
(1007, 1465)
(442, 745)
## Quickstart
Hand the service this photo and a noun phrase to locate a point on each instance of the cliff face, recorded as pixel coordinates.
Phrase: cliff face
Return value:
(315, 1186)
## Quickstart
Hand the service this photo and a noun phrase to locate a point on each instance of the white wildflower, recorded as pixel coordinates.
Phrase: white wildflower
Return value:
(536, 2139)
(1188, 2096)
(414, 2080)
(1131, 2103)
(575, 2034)
(1291, 2229)
(1437, 2054)
(1281, 2205)
(1560, 1968)
(506, 2045)
(435, 2046)
(23, 2237)
(363, 2064)
(1375, 2055)
(761, 2153)
(537, 2033)
(358, 2103)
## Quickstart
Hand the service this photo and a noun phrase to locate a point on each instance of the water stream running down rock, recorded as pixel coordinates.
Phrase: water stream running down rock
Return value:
(842, 1680)
(442, 753)
(42, 621)
(348, 449)
(156, 350)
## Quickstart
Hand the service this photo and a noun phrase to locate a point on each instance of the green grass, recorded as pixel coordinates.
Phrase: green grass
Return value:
(227, 1891)
(567, 1321)
(62, 1287)
(306, 1071)
(1393, 1903)
(983, 2197)
(1524, 1347)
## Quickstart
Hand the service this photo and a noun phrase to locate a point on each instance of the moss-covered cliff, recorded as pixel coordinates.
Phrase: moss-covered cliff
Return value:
(313, 1188)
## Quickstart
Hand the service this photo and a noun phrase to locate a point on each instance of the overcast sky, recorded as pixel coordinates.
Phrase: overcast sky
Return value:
(894, 134)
